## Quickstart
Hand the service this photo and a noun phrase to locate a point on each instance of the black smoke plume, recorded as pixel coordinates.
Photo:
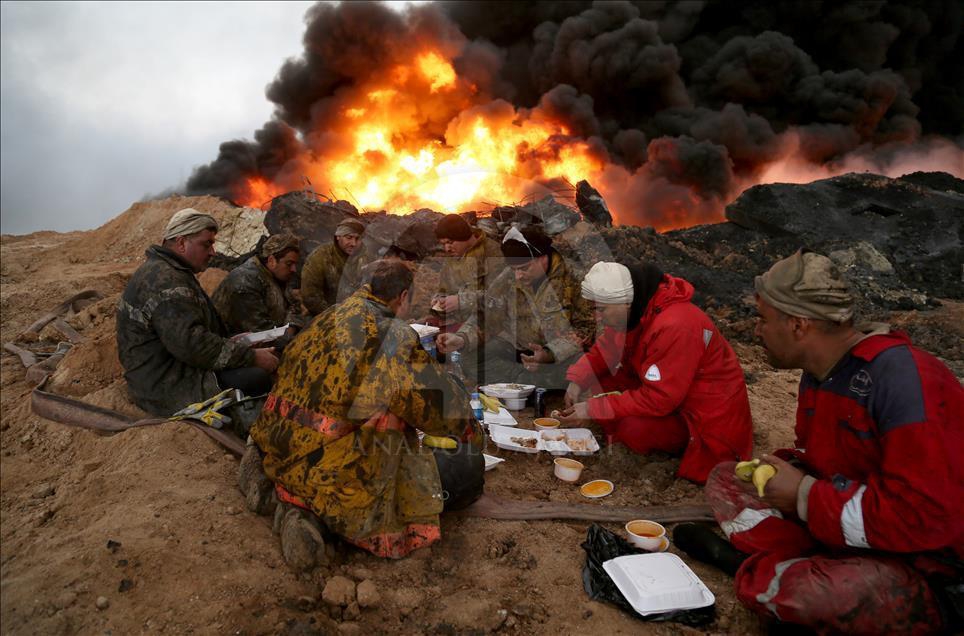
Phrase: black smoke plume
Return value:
(684, 96)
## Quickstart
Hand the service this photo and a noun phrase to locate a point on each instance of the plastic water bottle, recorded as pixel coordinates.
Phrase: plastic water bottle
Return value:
(454, 366)
(477, 409)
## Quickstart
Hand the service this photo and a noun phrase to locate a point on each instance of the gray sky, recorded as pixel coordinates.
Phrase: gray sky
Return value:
(104, 103)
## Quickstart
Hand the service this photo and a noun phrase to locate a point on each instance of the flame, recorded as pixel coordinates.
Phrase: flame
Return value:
(418, 134)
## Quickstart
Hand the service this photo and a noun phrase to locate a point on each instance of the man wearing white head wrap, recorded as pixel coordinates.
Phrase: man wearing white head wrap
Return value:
(680, 386)
(170, 340)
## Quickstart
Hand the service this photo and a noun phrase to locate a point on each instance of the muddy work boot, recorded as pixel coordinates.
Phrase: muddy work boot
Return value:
(302, 544)
(700, 542)
(259, 494)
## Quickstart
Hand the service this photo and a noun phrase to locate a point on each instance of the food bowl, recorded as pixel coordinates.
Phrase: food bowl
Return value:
(508, 390)
(546, 423)
(647, 535)
(514, 404)
(596, 489)
(567, 469)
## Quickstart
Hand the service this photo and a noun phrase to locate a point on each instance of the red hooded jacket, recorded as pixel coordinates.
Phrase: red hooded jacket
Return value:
(673, 362)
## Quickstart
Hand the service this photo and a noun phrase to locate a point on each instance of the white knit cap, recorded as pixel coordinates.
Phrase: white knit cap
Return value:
(189, 221)
(608, 284)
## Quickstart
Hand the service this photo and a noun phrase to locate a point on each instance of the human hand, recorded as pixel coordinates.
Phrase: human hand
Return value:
(449, 304)
(449, 342)
(264, 359)
(578, 413)
(540, 355)
(780, 491)
(573, 391)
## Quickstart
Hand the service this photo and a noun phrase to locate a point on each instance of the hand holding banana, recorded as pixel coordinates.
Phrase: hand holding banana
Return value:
(776, 481)
(756, 472)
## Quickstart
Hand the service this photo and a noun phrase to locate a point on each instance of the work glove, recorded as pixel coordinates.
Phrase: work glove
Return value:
(209, 411)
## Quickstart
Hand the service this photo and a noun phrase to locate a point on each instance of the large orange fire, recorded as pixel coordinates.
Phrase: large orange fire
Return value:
(419, 135)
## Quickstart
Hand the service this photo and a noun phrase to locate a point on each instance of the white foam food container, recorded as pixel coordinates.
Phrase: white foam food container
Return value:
(503, 436)
(424, 331)
(491, 461)
(257, 337)
(502, 418)
(508, 390)
(658, 582)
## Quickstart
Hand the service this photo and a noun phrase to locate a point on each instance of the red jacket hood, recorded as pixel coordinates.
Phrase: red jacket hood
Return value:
(671, 290)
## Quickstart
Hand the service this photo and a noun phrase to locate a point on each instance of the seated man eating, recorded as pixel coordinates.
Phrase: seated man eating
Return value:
(859, 529)
(681, 388)
(339, 428)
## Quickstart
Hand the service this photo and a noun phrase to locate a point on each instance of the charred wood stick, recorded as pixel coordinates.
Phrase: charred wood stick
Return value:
(28, 358)
(60, 309)
(65, 410)
(61, 325)
(492, 507)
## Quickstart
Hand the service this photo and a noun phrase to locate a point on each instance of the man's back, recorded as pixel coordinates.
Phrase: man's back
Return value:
(249, 299)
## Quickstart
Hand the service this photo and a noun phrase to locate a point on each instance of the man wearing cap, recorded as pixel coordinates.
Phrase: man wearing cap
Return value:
(860, 529)
(674, 383)
(536, 323)
(252, 297)
(170, 340)
(330, 274)
(473, 261)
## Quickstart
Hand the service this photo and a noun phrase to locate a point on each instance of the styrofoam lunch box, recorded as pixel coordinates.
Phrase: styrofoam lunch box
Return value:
(548, 441)
(658, 582)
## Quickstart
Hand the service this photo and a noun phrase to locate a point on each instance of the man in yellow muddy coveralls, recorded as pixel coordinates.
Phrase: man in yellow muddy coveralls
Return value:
(338, 429)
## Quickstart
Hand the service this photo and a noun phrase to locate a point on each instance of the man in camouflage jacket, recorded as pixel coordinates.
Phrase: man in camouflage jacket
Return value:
(537, 322)
(472, 262)
(252, 297)
(339, 428)
(330, 274)
(170, 340)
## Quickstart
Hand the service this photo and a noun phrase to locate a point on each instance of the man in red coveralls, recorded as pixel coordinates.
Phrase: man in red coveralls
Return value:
(681, 386)
(860, 530)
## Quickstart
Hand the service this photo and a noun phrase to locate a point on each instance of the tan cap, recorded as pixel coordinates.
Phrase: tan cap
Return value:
(278, 243)
(350, 226)
(189, 221)
(807, 285)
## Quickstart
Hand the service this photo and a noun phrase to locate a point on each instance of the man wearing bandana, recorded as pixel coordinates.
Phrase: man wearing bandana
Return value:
(170, 339)
(536, 323)
(860, 529)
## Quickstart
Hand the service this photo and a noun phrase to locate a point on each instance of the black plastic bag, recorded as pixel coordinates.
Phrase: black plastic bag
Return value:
(602, 545)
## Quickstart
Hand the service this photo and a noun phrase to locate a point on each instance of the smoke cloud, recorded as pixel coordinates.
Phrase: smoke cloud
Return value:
(683, 102)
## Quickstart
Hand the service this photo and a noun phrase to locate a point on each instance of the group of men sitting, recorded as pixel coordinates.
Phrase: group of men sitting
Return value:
(858, 530)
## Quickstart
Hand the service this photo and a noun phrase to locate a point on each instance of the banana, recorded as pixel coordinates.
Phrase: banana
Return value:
(490, 403)
(439, 442)
(744, 470)
(763, 474)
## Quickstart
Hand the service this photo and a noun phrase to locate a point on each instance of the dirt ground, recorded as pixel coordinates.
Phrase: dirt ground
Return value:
(152, 521)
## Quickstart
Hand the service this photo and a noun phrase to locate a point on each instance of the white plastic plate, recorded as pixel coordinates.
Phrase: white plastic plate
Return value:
(658, 582)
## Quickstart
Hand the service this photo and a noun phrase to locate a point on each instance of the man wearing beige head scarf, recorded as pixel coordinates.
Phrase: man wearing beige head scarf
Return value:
(860, 529)
(170, 341)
